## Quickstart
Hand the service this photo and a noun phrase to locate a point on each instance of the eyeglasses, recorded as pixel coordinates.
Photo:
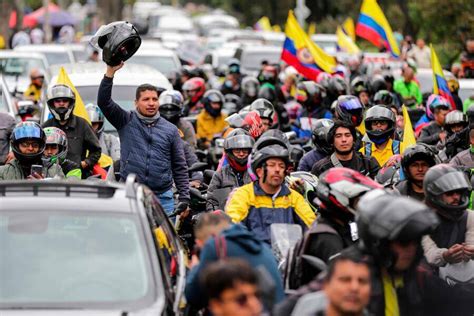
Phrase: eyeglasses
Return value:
(28, 144)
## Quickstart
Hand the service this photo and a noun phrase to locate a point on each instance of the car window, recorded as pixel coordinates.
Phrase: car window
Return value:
(253, 60)
(55, 58)
(80, 55)
(165, 64)
(74, 259)
(19, 66)
(466, 93)
(123, 95)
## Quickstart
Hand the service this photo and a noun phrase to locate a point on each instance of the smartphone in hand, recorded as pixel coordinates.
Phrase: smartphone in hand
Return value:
(38, 169)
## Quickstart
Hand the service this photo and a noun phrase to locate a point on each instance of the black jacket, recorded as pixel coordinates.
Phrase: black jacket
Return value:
(430, 134)
(81, 138)
(366, 165)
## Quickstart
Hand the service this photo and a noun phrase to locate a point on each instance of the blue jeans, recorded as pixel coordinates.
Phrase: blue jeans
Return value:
(167, 201)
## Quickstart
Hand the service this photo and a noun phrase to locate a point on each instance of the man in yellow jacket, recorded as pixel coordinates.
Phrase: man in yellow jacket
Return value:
(268, 200)
(211, 121)
(34, 90)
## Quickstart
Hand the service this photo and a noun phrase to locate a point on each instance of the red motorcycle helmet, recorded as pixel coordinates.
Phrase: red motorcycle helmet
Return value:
(194, 89)
(337, 191)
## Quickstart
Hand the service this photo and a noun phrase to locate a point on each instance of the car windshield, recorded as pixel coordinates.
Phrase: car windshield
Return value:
(122, 95)
(253, 60)
(19, 66)
(466, 93)
(55, 58)
(165, 64)
(73, 260)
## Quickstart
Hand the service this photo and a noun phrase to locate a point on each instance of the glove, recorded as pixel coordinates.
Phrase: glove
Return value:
(182, 206)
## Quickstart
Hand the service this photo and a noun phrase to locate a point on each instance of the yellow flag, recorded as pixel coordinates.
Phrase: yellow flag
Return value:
(79, 108)
(345, 43)
(263, 24)
(276, 28)
(105, 161)
(311, 28)
(408, 134)
(348, 28)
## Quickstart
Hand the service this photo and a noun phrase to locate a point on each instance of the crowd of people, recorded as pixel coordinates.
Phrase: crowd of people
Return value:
(387, 227)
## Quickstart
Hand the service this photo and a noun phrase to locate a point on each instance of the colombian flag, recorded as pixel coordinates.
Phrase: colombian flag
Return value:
(374, 27)
(302, 53)
(349, 29)
(440, 85)
(345, 43)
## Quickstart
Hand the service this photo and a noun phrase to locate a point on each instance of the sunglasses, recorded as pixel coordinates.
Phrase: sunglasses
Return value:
(243, 299)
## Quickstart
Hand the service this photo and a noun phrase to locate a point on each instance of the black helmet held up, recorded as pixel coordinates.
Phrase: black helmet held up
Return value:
(118, 40)
(379, 113)
(442, 179)
(383, 217)
(320, 135)
(28, 131)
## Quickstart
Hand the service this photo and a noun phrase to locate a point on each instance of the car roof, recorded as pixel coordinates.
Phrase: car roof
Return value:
(260, 48)
(68, 195)
(44, 48)
(162, 52)
(91, 74)
(20, 54)
(466, 83)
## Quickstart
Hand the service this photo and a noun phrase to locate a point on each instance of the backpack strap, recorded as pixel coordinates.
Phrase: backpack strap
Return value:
(335, 162)
(221, 246)
(368, 149)
(396, 147)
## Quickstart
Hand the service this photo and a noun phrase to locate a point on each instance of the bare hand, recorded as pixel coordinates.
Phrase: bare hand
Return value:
(442, 136)
(454, 254)
(111, 70)
(297, 185)
(468, 251)
(35, 176)
(195, 184)
(194, 261)
(185, 214)
(84, 165)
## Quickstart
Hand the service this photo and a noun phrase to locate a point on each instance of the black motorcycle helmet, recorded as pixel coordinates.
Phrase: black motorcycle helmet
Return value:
(213, 96)
(379, 113)
(320, 133)
(377, 83)
(61, 91)
(264, 108)
(171, 105)
(267, 92)
(260, 156)
(414, 153)
(27, 131)
(349, 109)
(358, 85)
(470, 116)
(310, 94)
(383, 217)
(454, 118)
(384, 97)
(441, 179)
(238, 140)
(118, 41)
(272, 137)
(337, 86)
(250, 87)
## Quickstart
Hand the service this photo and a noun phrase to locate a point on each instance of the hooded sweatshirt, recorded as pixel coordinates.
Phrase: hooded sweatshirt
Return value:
(242, 244)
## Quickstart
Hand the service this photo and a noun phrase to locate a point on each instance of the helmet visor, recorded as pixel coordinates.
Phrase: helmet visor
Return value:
(452, 181)
(239, 142)
(27, 131)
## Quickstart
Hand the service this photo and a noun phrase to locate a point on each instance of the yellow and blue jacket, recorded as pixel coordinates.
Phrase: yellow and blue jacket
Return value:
(257, 210)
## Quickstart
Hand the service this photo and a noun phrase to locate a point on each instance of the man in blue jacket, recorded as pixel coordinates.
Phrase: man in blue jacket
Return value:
(218, 239)
(150, 145)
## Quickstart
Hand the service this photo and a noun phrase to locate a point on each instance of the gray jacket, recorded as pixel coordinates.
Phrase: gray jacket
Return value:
(188, 131)
(110, 145)
(464, 159)
(222, 183)
(7, 123)
(13, 171)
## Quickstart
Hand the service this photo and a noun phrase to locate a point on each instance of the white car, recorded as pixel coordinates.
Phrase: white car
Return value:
(7, 104)
(55, 53)
(164, 60)
(16, 66)
(251, 57)
(86, 77)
